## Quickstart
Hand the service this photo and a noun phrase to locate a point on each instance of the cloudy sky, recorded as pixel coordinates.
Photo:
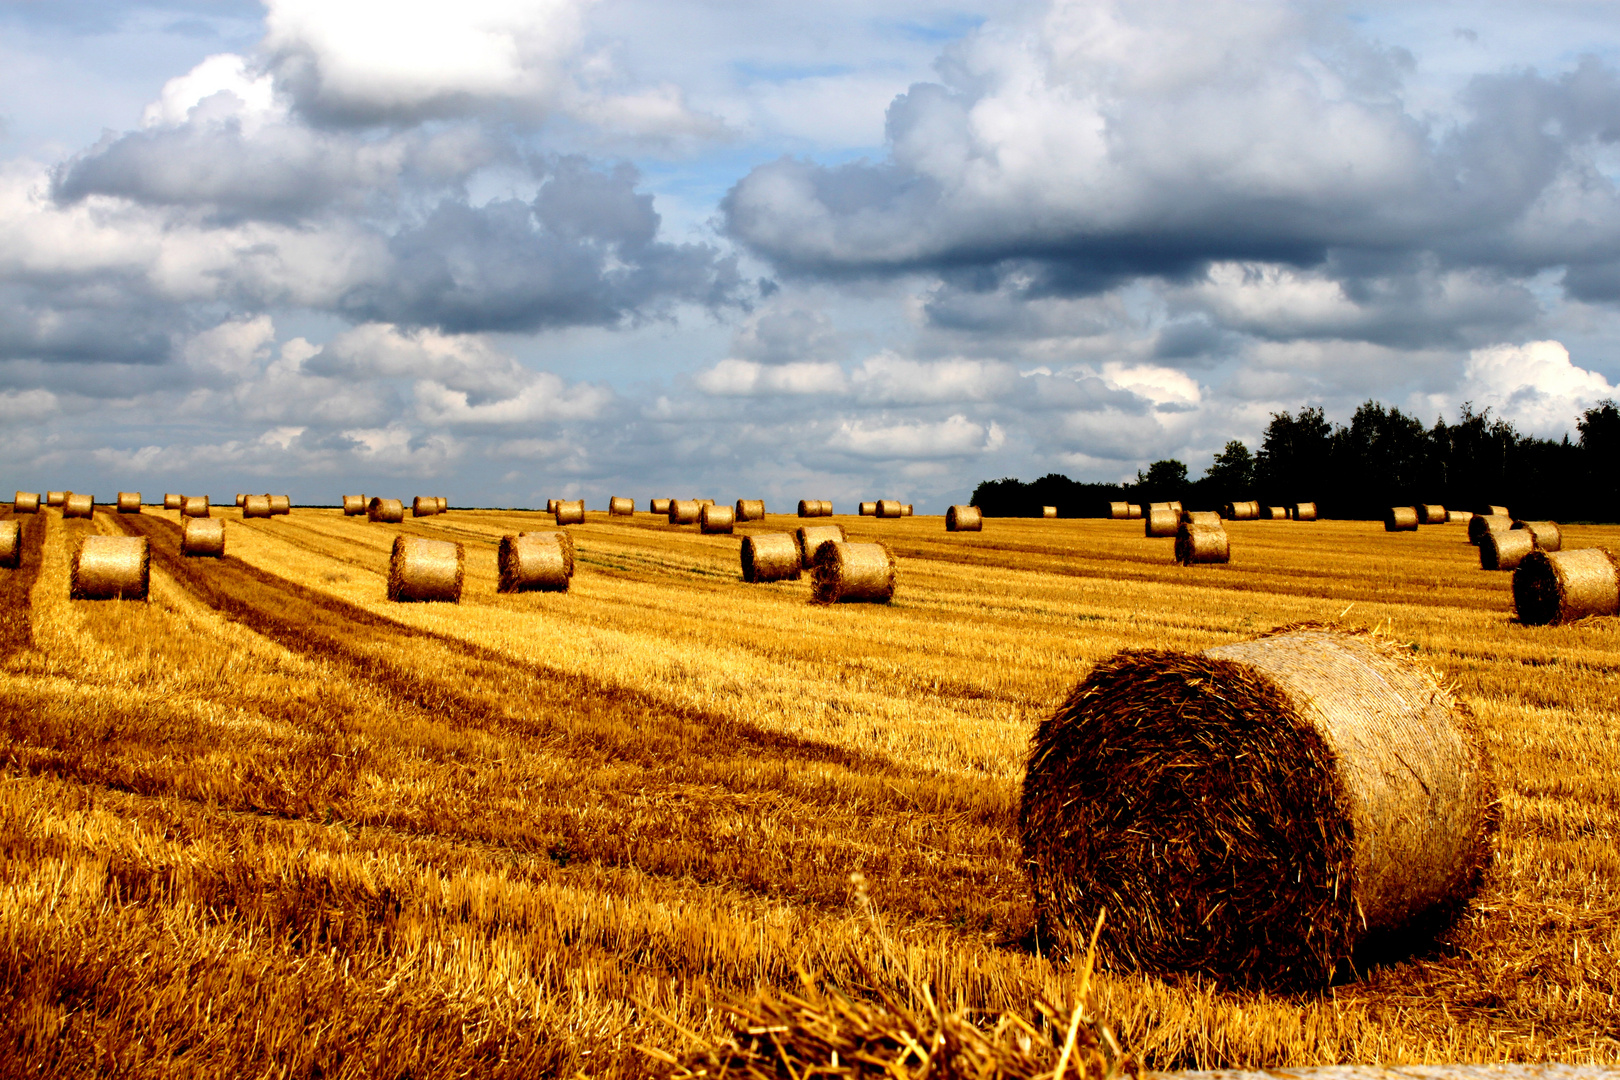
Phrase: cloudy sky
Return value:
(513, 249)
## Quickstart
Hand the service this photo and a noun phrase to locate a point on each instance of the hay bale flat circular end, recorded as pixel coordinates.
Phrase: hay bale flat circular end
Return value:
(714, 520)
(55, 498)
(129, 502)
(868, 509)
(658, 506)
(570, 511)
(964, 519)
(281, 505)
(78, 505)
(1305, 511)
(425, 570)
(889, 508)
(111, 568)
(563, 537)
(386, 511)
(195, 506)
(203, 537)
(842, 572)
(1561, 586)
(26, 502)
(353, 505)
(1505, 550)
(770, 557)
(171, 501)
(1480, 524)
(1255, 812)
(10, 543)
(256, 506)
(810, 537)
(1198, 544)
(1548, 536)
(618, 506)
(532, 562)
(684, 511)
(1401, 519)
(1161, 522)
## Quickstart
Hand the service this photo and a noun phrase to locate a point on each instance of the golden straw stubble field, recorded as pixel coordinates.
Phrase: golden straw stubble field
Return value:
(269, 822)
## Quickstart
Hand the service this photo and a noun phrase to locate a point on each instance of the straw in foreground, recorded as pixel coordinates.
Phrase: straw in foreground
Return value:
(111, 568)
(842, 572)
(203, 537)
(770, 557)
(1550, 588)
(532, 563)
(420, 570)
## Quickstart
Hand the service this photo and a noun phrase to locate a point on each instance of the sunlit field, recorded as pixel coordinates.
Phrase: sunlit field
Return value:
(269, 822)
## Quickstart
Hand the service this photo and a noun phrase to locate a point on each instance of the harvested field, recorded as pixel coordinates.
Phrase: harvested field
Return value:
(502, 837)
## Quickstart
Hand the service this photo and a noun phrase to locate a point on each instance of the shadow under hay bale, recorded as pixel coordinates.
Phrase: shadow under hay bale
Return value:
(750, 509)
(171, 501)
(78, 505)
(1480, 524)
(354, 505)
(964, 519)
(425, 570)
(385, 511)
(868, 509)
(1305, 511)
(198, 506)
(1401, 519)
(685, 511)
(770, 557)
(56, 498)
(716, 520)
(204, 537)
(658, 506)
(563, 537)
(10, 543)
(129, 502)
(1550, 588)
(619, 506)
(531, 562)
(889, 508)
(1161, 521)
(1200, 544)
(111, 568)
(26, 502)
(1505, 550)
(1549, 537)
(1257, 812)
(1431, 514)
(810, 537)
(1200, 517)
(281, 506)
(570, 511)
(842, 573)
(258, 506)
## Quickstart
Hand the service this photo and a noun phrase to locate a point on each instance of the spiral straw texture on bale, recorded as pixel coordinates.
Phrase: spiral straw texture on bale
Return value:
(770, 557)
(810, 537)
(129, 502)
(56, 498)
(1431, 514)
(78, 505)
(842, 572)
(203, 537)
(1480, 524)
(619, 506)
(197, 506)
(1198, 544)
(1561, 586)
(1549, 537)
(890, 508)
(26, 502)
(964, 519)
(563, 537)
(714, 520)
(424, 506)
(171, 501)
(421, 570)
(10, 543)
(354, 505)
(531, 562)
(1401, 519)
(1305, 511)
(1505, 550)
(281, 506)
(750, 509)
(111, 568)
(659, 506)
(570, 511)
(868, 509)
(1200, 517)
(1161, 522)
(258, 506)
(1257, 811)
(386, 511)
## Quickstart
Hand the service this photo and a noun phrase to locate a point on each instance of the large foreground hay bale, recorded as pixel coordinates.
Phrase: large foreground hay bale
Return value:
(258, 506)
(1562, 586)
(1256, 811)
(531, 562)
(1549, 537)
(715, 520)
(1492, 510)
(1480, 524)
(78, 505)
(421, 570)
(1275, 513)
(750, 509)
(203, 537)
(570, 511)
(868, 509)
(809, 537)
(659, 506)
(1200, 517)
(386, 511)
(685, 511)
(10, 543)
(563, 537)
(1197, 544)
(619, 506)
(843, 572)
(424, 506)
(1401, 519)
(111, 568)
(172, 501)
(964, 519)
(889, 508)
(26, 502)
(770, 557)
(281, 505)
(354, 505)
(1161, 522)
(1505, 550)
(56, 498)
(1305, 511)
(129, 502)
(1431, 514)
(198, 506)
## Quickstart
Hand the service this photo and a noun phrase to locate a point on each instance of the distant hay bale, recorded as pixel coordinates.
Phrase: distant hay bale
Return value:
(424, 506)
(531, 562)
(1157, 506)
(203, 537)
(1492, 510)
(1459, 517)
(111, 568)
(1549, 537)
(826, 508)
(241, 499)
(281, 506)
(551, 506)
(1505, 550)
(868, 509)
(964, 519)
(1119, 511)
(843, 573)
(715, 520)
(258, 506)
(1401, 519)
(129, 502)
(809, 537)
(1305, 511)
(386, 511)
(684, 511)
(1556, 587)
(1175, 504)
(706, 502)
(424, 570)
(26, 502)
(618, 506)
(1048, 511)
(78, 505)
(809, 508)
(1200, 517)
(889, 508)
(1275, 513)
(1198, 543)
(444, 503)
(354, 505)
(570, 511)
(659, 506)
(1480, 524)
(1161, 522)
(172, 501)
(10, 543)
(563, 537)
(198, 506)
(1255, 812)
(750, 509)
(770, 557)
(1431, 514)
(1246, 510)
(905, 511)
(56, 498)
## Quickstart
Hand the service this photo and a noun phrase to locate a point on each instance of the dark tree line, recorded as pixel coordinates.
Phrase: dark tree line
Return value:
(1381, 458)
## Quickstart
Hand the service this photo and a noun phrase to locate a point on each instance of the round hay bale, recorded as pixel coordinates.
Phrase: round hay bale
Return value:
(1431, 514)
(444, 503)
(563, 537)
(1505, 550)
(26, 502)
(78, 505)
(1048, 511)
(1161, 522)
(1305, 511)
(281, 506)
(843, 573)
(706, 502)
(1459, 517)
(750, 509)
(424, 506)
(1276, 513)
(531, 562)
(1549, 537)
(354, 505)
(1202, 543)
(1175, 504)
(129, 502)
(770, 557)
(1200, 517)
(386, 511)
(1119, 511)
(111, 568)
(905, 511)
(1561, 586)
(10, 543)
(1158, 506)
(1136, 512)
(1492, 510)
(1401, 519)
(241, 500)
(203, 537)
(868, 509)
(826, 508)
(551, 506)
(810, 537)
(55, 498)
(715, 520)
(1251, 510)
(1480, 524)
(618, 506)
(424, 570)
(809, 508)
(659, 506)
(570, 511)
(258, 506)
(198, 506)
(1256, 811)
(172, 501)
(964, 519)
(684, 511)
(889, 508)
